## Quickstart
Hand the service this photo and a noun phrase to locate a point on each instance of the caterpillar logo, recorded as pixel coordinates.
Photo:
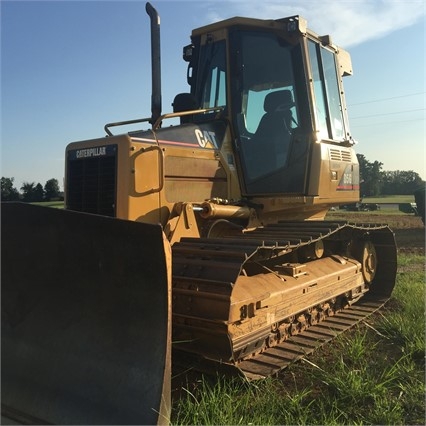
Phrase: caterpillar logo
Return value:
(91, 152)
(206, 139)
(95, 152)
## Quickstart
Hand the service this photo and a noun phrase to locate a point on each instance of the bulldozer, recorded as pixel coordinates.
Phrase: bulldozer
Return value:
(203, 233)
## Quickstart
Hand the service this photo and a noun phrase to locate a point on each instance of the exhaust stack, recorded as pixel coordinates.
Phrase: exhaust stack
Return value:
(155, 63)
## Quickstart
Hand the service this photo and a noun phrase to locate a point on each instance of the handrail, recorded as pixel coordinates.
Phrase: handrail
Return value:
(157, 123)
(123, 123)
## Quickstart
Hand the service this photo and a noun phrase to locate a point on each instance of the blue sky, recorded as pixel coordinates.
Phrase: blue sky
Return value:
(69, 67)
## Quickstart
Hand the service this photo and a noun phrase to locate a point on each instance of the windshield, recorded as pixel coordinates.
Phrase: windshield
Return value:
(267, 112)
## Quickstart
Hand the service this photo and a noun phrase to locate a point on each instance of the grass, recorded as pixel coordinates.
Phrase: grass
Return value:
(374, 374)
(55, 204)
(391, 199)
(406, 325)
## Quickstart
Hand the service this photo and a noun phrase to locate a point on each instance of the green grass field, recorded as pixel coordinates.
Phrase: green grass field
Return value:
(391, 199)
(55, 204)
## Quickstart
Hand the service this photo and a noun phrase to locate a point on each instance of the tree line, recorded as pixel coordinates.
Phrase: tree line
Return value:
(30, 191)
(375, 182)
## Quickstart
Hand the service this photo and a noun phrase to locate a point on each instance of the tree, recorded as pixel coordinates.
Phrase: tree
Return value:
(375, 182)
(27, 189)
(38, 192)
(8, 191)
(32, 192)
(403, 182)
(370, 176)
(51, 190)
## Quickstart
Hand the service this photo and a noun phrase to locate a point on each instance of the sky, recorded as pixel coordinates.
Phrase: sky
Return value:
(70, 67)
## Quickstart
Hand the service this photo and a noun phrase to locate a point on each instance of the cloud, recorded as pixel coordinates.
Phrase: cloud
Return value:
(350, 22)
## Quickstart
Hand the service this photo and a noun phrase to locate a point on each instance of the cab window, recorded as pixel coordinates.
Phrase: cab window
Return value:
(328, 106)
(213, 75)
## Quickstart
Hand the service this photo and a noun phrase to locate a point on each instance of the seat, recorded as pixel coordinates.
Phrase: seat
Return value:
(272, 137)
(185, 102)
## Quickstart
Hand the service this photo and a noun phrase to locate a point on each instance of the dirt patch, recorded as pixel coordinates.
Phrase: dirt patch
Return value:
(409, 229)
(410, 240)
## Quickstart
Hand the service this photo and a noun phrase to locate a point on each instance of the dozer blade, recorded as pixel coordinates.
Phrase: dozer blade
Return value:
(85, 319)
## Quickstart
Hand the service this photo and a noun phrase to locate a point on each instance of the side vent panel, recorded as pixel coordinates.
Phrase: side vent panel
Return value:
(340, 155)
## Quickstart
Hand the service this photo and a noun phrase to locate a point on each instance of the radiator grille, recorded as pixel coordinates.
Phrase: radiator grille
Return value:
(91, 181)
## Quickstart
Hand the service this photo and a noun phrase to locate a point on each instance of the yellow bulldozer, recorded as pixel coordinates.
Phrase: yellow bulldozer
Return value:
(203, 234)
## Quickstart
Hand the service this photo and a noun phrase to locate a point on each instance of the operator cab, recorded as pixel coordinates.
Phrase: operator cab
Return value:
(256, 70)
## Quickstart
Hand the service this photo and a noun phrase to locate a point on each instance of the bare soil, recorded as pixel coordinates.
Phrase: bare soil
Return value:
(409, 229)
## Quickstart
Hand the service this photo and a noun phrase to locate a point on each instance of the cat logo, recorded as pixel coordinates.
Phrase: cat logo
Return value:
(206, 139)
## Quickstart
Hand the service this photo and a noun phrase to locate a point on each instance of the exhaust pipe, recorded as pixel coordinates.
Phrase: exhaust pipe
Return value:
(155, 63)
